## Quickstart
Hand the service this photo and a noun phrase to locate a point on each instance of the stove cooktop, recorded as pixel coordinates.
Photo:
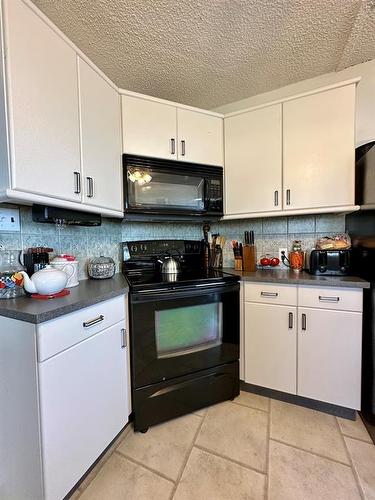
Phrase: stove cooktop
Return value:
(153, 279)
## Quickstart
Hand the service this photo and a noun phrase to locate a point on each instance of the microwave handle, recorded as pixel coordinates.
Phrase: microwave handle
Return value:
(206, 200)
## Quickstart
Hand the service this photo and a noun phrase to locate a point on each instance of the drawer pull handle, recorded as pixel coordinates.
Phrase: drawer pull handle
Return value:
(328, 299)
(269, 294)
(304, 322)
(123, 338)
(92, 322)
(290, 321)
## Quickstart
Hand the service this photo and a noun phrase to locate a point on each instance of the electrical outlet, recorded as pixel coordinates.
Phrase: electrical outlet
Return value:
(285, 250)
(10, 219)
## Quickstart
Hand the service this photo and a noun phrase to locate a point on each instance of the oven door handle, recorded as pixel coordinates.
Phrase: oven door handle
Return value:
(183, 292)
(187, 288)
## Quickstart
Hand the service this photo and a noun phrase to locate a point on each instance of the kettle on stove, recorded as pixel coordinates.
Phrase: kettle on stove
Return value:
(169, 265)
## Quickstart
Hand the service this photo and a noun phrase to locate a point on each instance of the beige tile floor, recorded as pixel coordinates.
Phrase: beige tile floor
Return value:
(249, 449)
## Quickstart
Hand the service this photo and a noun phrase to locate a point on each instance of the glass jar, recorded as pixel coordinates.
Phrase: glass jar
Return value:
(101, 268)
(11, 281)
(296, 256)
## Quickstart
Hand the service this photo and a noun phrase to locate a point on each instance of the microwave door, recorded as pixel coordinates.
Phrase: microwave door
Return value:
(162, 192)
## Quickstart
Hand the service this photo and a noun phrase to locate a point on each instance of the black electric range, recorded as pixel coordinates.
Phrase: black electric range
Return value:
(184, 331)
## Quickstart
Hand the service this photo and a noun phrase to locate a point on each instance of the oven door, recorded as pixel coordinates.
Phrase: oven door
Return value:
(180, 331)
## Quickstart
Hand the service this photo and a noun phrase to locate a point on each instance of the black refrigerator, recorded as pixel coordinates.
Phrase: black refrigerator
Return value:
(361, 227)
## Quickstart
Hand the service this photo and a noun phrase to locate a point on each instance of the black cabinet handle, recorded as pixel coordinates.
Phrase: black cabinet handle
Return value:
(288, 196)
(276, 198)
(290, 321)
(304, 323)
(93, 322)
(328, 299)
(90, 187)
(173, 146)
(123, 338)
(77, 182)
(182, 148)
(269, 294)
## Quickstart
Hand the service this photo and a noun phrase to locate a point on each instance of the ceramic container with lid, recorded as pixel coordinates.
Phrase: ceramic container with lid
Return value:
(101, 268)
(69, 265)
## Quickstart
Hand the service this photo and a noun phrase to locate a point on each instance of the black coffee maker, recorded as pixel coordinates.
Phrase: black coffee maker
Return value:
(36, 258)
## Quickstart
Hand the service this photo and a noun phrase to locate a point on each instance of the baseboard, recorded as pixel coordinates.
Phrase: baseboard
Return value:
(337, 411)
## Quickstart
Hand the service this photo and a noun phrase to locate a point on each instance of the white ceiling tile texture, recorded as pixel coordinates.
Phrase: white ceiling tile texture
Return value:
(210, 52)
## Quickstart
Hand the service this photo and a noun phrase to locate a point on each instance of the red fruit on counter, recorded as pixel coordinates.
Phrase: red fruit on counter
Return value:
(275, 261)
(265, 261)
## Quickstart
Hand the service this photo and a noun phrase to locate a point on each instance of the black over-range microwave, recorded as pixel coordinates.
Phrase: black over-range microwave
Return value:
(157, 189)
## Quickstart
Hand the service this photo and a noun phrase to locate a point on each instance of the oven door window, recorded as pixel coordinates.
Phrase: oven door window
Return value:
(184, 330)
(151, 189)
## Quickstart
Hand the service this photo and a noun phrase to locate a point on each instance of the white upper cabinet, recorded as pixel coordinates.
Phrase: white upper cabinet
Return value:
(149, 128)
(318, 149)
(100, 139)
(162, 130)
(42, 106)
(294, 156)
(253, 153)
(200, 137)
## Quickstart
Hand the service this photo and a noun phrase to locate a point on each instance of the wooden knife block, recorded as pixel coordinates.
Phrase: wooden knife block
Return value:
(249, 258)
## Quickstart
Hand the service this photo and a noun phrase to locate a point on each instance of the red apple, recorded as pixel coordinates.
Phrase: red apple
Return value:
(275, 261)
(265, 261)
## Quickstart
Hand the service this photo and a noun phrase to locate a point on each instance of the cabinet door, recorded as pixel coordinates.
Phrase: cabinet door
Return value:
(318, 148)
(43, 110)
(83, 406)
(101, 140)
(270, 346)
(200, 137)
(329, 356)
(149, 128)
(253, 161)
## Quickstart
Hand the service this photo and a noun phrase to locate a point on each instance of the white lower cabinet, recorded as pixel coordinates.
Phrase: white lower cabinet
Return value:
(270, 346)
(64, 396)
(318, 355)
(329, 356)
(83, 406)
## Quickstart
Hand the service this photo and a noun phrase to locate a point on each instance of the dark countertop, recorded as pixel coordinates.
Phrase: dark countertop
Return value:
(88, 293)
(301, 278)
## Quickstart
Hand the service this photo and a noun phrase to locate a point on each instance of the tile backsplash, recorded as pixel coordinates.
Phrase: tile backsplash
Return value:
(88, 242)
(276, 232)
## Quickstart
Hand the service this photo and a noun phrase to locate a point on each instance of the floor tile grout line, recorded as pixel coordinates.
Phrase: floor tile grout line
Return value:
(137, 462)
(173, 492)
(357, 439)
(247, 406)
(267, 487)
(225, 457)
(352, 437)
(356, 477)
(310, 452)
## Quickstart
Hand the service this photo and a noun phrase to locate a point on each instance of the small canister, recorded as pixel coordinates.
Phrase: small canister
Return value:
(68, 264)
(101, 268)
(296, 256)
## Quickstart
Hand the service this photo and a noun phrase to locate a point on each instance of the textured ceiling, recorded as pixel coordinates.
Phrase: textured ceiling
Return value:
(207, 53)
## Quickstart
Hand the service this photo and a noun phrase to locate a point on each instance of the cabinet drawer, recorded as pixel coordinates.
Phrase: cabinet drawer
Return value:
(269, 293)
(57, 335)
(345, 299)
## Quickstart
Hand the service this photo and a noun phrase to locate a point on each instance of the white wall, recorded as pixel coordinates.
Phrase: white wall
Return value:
(365, 96)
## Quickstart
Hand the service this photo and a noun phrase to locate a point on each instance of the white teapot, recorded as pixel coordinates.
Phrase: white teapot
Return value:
(47, 281)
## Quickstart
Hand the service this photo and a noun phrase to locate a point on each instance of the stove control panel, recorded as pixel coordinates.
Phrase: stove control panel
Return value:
(152, 248)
